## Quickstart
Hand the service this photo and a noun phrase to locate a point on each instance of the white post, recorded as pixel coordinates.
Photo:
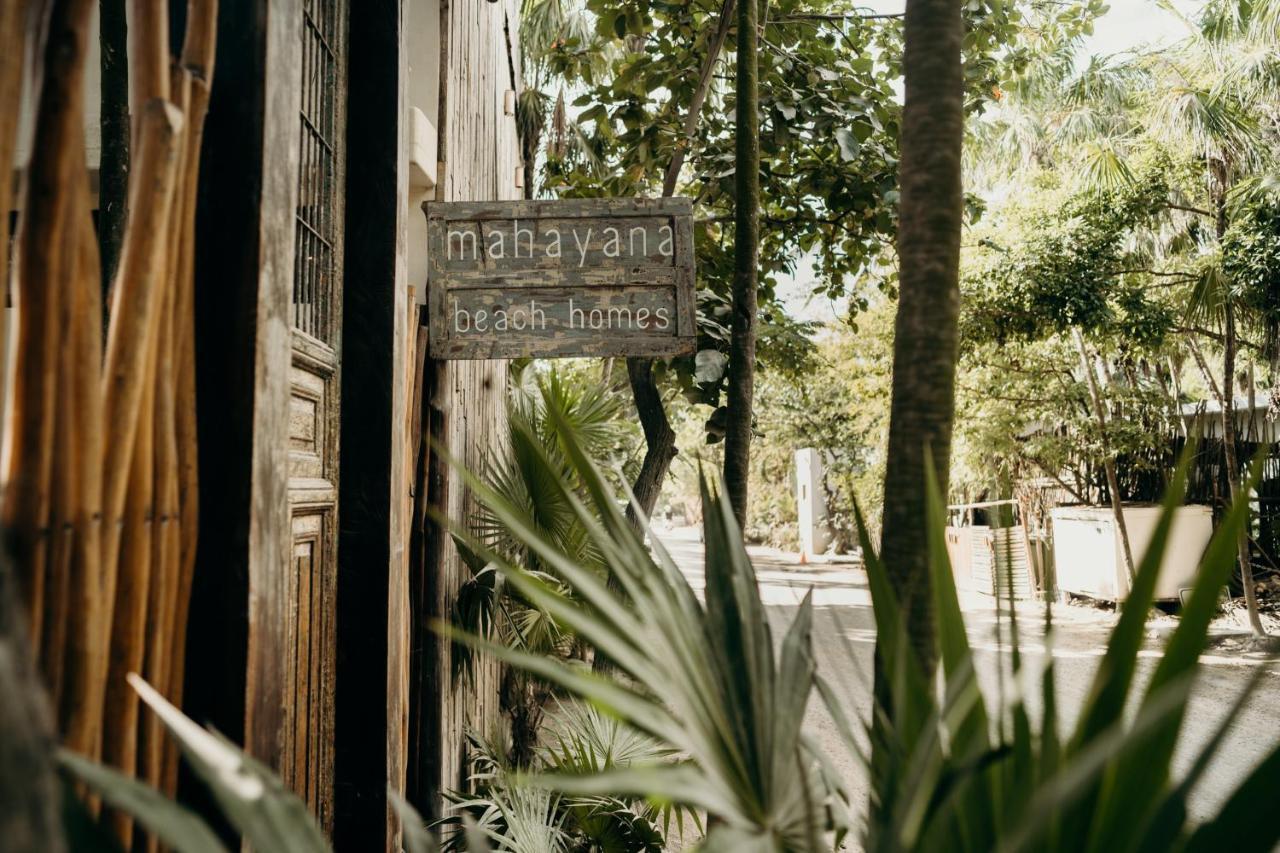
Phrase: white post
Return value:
(811, 504)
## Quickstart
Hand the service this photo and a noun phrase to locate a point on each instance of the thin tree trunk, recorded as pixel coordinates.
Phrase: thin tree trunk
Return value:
(660, 443)
(924, 345)
(1231, 461)
(1108, 461)
(660, 447)
(1220, 173)
(113, 184)
(1228, 408)
(659, 438)
(714, 47)
(746, 268)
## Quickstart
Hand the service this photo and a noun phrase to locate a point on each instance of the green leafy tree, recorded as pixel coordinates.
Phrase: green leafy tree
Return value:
(662, 119)
(1216, 98)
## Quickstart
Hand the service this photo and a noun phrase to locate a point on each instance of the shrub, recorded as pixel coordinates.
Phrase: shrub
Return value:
(947, 771)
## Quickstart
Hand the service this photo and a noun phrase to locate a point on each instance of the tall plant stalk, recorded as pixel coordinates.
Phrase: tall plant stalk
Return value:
(101, 507)
(746, 266)
(660, 438)
(1108, 461)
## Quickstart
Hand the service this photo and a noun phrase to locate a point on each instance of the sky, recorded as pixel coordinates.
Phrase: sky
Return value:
(1127, 25)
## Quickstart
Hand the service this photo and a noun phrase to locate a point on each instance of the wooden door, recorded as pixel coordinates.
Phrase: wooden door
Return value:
(314, 406)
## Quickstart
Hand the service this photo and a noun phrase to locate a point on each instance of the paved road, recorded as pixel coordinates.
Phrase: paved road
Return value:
(844, 638)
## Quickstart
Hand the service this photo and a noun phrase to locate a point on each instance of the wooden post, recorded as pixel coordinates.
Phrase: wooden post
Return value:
(372, 582)
(243, 270)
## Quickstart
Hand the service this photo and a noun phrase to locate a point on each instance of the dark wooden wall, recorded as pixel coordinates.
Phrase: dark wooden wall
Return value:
(244, 266)
(238, 655)
(465, 409)
(372, 704)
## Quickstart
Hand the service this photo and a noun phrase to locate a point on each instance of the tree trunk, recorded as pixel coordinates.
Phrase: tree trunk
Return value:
(924, 346)
(1227, 405)
(746, 268)
(1220, 172)
(659, 438)
(660, 447)
(113, 194)
(1108, 462)
(660, 444)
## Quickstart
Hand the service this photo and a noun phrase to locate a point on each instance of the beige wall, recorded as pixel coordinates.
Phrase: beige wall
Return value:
(92, 108)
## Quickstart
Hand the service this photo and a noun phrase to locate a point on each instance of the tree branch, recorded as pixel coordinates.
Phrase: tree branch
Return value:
(1187, 209)
(853, 16)
(714, 47)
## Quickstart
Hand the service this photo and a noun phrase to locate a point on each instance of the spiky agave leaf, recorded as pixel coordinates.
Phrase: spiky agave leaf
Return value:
(704, 680)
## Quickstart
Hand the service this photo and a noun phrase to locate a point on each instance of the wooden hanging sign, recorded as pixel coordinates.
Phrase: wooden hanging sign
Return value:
(561, 278)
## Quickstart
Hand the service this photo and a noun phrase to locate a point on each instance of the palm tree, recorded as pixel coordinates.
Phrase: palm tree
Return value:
(558, 44)
(541, 406)
(925, 334)
(1216, 98)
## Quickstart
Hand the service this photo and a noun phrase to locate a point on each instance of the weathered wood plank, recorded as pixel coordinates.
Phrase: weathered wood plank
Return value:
(560, 208)
(465, 400)
(600, 252)
(244, 266)
(572, 245)
(547, 322)
(372, 584)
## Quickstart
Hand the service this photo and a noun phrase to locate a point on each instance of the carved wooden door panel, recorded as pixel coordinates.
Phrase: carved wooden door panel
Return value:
(307, 754)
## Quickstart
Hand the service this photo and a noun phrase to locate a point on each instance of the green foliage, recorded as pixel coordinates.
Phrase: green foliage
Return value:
(947, 771)
(1130, 197)
(1072, 267)
(837, 401)
(703, 681)
(542, 404)
(829, 128)
(250, 796)
(1022, 786)
(537, 401)
(1251, 261)
(515, 813)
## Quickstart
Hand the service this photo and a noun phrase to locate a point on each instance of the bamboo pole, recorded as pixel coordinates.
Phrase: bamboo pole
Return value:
(148, 52)
(162, 592)
(57, 582)
(45, 267)
(14, 20)
(73, 602)
(198, 58)
(127, 460)
(135, 292)
(86, 664)
(128, 635)
(135, 312)
(13, 30)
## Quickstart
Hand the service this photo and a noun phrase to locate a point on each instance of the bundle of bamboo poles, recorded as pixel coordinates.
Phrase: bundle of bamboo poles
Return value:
(100, 492)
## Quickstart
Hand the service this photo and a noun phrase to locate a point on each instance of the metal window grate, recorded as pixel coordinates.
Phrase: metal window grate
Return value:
(315, 265)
